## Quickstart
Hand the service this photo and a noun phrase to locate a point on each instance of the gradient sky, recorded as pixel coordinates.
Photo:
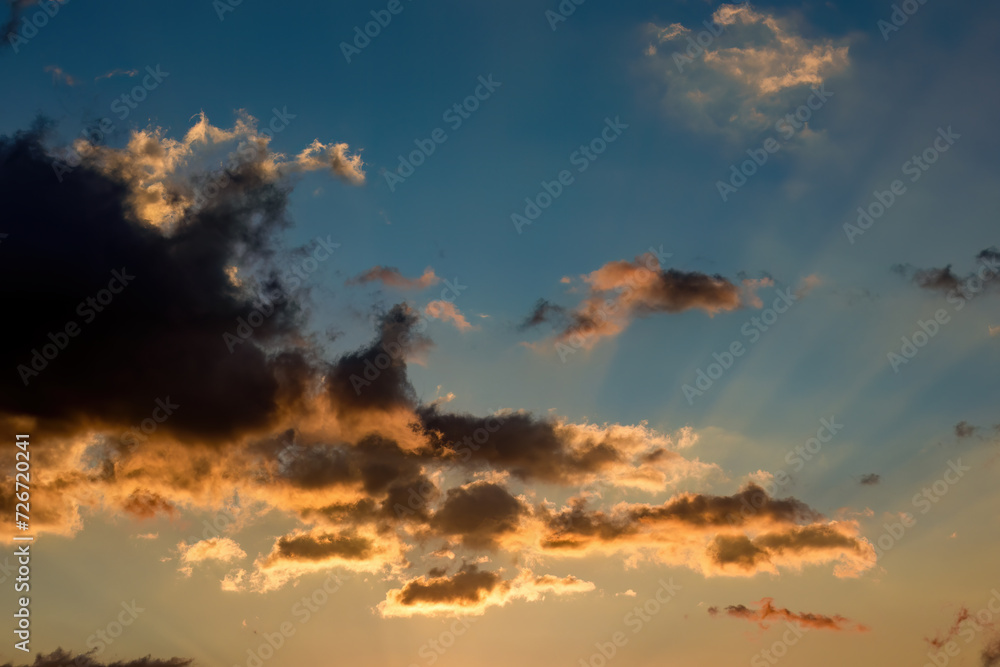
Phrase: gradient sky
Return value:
(578, 339)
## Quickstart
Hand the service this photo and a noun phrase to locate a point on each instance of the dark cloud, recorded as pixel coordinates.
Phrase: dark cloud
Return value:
(945, 281)
(10, 28)
(964, 429)
(736, 550)
(870, 479)
(375, 377)
(162, 335)
(576, 526)
(479, 513)
(620, 291)
(940, 640)
(529, 447)
(990, 655)
(146, 504)
(391, 277)
(766, 611)
(467, 587)
(61, 658)
(323, 547)
(544, 311)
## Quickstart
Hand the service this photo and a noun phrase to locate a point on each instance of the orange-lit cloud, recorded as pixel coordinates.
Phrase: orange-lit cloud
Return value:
(447, 312)
(391, 277)
(471, 591)
(766, 612)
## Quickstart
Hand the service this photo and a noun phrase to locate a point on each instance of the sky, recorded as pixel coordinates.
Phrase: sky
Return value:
(574, 333)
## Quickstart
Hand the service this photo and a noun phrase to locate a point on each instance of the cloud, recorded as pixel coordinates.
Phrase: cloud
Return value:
(945, 281)
(544, 311)
(754, 69)
(949, 634)
(17, 9)
(61, 658)
(766, 612)
(60, 75)
(335, 157)
(621, 291)
(471, 591)
(175, 301)
(222, 549)
(303, 552)
(552, 450)
(152, 412)
(739, 535)
(145, 504)
(447, 312)
(870, 479)
(478, 513)
(990, 655)
(391, 277)
(170, 179)
(117, 72)
(964, 429)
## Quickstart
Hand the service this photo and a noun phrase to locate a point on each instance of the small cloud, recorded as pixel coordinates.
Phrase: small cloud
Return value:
(628, 594)
(447, 312)
(870, 479)
(766, 613)
(117, 72)
(964, 429)
(222, 549)
(391, 277)
(147, 536)
(60, 75)
(808, 284)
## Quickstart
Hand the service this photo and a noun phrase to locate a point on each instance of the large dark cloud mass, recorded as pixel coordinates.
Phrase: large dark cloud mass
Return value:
(162, 335)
